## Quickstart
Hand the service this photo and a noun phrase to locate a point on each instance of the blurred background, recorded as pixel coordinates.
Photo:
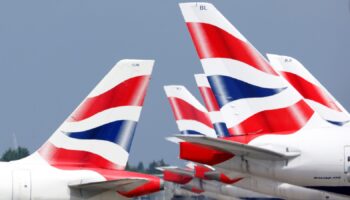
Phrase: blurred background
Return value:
(52, 53)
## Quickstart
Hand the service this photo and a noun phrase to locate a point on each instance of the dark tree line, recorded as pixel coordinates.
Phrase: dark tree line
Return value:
(14, 154)
(150, 169)
(21, 152)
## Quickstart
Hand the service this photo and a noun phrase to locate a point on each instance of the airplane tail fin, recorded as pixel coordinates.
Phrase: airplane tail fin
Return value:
(191, 116)
(252, 97)
(315, 94)
(99, 133)
(211, 105)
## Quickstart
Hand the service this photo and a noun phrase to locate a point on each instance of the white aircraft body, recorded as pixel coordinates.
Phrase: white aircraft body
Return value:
(86, 156)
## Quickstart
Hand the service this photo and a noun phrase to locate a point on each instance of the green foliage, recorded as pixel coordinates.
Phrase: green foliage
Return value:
(14, 154)
(21, 152)
(127, 167)
(140, 167)
(151, 169)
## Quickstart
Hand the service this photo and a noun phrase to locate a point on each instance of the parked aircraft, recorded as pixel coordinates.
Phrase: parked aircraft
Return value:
(274, 133)
(86, 156)
(205, 178)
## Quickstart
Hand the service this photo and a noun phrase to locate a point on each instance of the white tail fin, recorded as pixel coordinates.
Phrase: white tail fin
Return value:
(99, 133)
(190, 115)
(211, 105)
(252, 97)
(310, 88)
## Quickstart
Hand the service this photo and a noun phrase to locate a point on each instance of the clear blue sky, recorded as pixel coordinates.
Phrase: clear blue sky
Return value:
(52, 53)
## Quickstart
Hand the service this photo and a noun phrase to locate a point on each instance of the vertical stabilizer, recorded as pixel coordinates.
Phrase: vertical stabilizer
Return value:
(190, 115)
(211, 105)
(252, 97)
(315, 94)
(99, 133)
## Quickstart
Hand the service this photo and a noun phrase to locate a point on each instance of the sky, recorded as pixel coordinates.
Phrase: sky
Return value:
(53, 52)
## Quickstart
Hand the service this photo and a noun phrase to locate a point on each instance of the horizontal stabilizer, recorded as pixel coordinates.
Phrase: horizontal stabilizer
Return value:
(120, 185)
(241, 149)
(174, 140)
(212, 175)
(177, 170)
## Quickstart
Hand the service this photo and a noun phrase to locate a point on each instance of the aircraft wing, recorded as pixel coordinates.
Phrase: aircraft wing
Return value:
(120, 185)
(241, 149)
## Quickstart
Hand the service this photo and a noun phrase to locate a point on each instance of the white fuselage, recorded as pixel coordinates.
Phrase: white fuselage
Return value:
(323, 159)
(223, 189)
(262, 188)
(284, 190)
(21, 180)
